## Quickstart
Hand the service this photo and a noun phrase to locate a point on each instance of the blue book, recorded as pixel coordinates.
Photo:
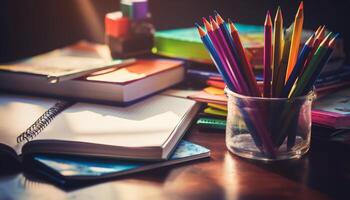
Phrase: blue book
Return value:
(67, 169)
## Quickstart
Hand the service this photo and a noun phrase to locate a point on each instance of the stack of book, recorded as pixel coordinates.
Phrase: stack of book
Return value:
(66, 134)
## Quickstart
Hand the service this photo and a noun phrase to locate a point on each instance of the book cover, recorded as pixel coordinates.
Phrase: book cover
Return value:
(70, 169)
(185, 43)
(333, 109)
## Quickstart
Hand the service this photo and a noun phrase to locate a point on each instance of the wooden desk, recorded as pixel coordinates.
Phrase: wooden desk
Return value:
(323, 174)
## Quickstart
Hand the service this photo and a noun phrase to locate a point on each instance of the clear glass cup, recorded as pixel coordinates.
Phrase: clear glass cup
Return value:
(268, 128)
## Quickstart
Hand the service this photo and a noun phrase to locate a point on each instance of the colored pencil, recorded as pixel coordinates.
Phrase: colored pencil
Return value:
(231, 76)
(267, 55)
(319, 36)
(255, 134)
(248, 76)
(261, 133)
(278, 44)
(287, 73)
(281, 72)
(246, 64)
(311, 81)
(306, 75)
(298, 66)
(215, 56)
(324, 60)
(232, 62)
(225, 30)
(296, 37)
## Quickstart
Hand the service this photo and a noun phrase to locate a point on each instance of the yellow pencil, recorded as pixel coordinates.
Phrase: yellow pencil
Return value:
(296, 37)
(278, 43)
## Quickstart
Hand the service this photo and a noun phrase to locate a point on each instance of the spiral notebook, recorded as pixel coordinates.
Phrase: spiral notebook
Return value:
(148, 130)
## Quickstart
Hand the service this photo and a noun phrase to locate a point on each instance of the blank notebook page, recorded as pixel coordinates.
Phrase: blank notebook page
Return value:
(148, 123)
(17, 113)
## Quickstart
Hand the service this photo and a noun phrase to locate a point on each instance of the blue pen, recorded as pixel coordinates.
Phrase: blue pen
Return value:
(215, 57)
(320, 66)
(298, 66)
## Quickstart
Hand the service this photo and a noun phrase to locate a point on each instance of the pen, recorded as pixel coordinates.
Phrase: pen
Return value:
(76, 74)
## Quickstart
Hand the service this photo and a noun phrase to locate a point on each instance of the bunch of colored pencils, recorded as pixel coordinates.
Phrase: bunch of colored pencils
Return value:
(287, 73)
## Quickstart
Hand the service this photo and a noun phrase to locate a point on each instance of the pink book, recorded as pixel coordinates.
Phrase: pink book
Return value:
(333, 109)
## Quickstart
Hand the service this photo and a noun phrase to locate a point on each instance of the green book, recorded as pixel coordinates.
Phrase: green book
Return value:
(185, 43)
(211, 123)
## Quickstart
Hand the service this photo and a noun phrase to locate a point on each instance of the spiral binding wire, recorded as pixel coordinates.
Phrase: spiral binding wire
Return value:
(43, 121)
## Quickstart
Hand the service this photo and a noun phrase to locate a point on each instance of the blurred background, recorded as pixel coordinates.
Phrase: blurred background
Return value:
(35, 26)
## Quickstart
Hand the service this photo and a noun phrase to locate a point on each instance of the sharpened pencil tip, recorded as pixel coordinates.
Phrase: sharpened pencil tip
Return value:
(331, 43)
(211, 18)
(326, 40)
(200, 30)
(207, 25)
(311, 40)
(278, 9)
(219, 19)
(232, 26)
(318, 30)
(213, 22)
(300, 12)
(268, 21)
(278, 14)
(320, 34)
(301, 5)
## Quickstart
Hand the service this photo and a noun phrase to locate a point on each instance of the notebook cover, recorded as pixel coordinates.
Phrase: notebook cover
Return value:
(77, 169)
(333, 109)
(139, 70)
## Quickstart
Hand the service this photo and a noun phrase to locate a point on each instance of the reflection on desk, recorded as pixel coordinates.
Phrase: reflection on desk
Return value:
(323, 173)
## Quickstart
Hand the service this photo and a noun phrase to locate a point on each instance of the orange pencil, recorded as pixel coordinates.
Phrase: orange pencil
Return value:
(296, 37)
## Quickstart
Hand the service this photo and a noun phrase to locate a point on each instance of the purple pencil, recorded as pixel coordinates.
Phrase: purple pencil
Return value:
(220, 51)
(233, 63)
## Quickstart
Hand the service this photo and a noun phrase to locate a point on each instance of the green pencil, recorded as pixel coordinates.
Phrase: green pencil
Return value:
(309, 70)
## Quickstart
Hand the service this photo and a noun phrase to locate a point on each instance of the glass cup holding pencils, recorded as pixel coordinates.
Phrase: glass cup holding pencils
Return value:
(268, 128)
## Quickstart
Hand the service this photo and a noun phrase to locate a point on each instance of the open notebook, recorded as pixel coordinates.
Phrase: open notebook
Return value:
(146, 130)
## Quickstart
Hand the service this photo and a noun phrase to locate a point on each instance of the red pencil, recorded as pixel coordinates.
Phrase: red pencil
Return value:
(267, 55)
(246, 64)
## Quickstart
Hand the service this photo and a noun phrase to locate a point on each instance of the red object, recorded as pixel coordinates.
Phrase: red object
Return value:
(116, 25)
(215, 83)
(267, 55)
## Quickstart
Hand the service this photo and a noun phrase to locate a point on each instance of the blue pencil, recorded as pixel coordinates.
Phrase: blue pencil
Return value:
(218, 63)
(298, 66)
